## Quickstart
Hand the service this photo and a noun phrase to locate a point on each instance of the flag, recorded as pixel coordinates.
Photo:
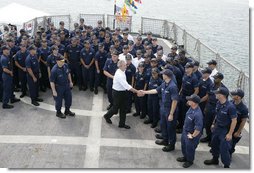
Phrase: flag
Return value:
(138, 1)
(118, 8)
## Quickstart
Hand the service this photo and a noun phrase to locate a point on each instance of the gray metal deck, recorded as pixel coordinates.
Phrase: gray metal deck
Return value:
(33, 137)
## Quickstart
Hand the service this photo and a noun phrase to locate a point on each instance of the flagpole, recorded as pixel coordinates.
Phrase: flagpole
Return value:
(114, 14)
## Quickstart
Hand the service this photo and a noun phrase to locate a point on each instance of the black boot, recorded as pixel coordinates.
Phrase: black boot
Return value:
(35, 103)
(161, 142)
(181, 159)
(213, 161)
(7, 106)
(187, 164)
(59, 114)
(168, 148)
(68, 112)
(39, 99)
(95, 91)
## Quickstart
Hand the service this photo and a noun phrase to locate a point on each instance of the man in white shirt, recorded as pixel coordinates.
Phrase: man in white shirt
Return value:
(212, 65)
(122, 56)
(138, 59)
(120, 88)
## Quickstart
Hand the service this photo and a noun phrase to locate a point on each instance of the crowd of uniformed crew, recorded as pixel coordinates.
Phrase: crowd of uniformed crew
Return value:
(91, 56)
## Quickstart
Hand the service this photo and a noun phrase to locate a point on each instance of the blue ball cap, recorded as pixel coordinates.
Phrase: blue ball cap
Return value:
(167, 72)
(60, 58)
(238, 92)
(222, 90)
(195, 98)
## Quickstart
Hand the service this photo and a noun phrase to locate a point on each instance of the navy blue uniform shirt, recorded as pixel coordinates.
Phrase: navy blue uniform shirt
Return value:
(188, 84)
(59, 75)
(204, 87)
(242, 112)
(168, 92)
(33, 63)
(87, 56)
(224, 114)
(130, 72)
(21, 58)
(73, 53)
(101, 57)
(193, 120)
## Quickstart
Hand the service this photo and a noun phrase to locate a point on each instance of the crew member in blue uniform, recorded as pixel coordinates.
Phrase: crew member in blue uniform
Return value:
(211, 106)
(73, 58)
(168, 110)
(222, 128)
(153, 103)
(7, 77)
(51, 60)
(205, 85)
(100, 60)
(173, 53)
(189, 87)
(87, 55)
(20, 62)
(192, 131)
(242, 116)
(33, 68)
(43, 53)
(196, 70)
(148, 38)
(109, 70)
(13, 50)
(61, 84)
(130, 77)
(61, 24)
(140, 84)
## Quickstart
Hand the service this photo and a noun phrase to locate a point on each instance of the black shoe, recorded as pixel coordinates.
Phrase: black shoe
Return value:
(168, 148)
(7, 106)
(142, 116)
(136, 114)
(153, 125)
(125, 126)
(22, 95)
(148, 121)
(96, 91)
(158, 136)
(226, 166)
(109, 106)
(187, 164)
(84, 89)
(39, 100)
(14, 100)
(60, 115)
(157, 130)
(161, 142)
(69, 113)
(35, 103)
(108, 120)
(179, 131)
(205, 139)
(181, 159)
(211, 162)
(91, 89)
(209, 144)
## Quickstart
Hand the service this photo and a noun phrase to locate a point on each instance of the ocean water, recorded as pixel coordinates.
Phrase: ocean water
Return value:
(223, 25)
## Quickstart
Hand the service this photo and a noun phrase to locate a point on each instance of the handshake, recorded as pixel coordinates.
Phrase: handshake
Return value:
(140, 93)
